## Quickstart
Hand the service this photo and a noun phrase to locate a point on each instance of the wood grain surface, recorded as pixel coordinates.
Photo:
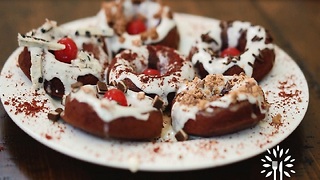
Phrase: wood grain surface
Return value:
(295, 26)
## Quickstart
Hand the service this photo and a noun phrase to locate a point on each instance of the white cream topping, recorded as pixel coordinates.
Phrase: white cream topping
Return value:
(109, 110)
(181, 112)
(162, 85)
(217, 65)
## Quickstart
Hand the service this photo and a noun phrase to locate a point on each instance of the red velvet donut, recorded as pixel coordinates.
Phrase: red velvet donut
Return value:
(137, 23)
(105, 117)
(130, 66)
(82, 59)
(256, 52)
(218, 105)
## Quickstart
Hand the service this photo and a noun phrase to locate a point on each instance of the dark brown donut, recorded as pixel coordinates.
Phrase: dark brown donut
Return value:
(62, 75)
(211, 124)
(218, 105)
(122, 127)
(128, 67)
(256, 57)
(161, 28)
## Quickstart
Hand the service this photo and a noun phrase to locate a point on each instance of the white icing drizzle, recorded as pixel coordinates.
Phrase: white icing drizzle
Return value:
(109, 110)
(45, 66)
(162, 25)
(217, 65)
(162, 85)
(181, 112)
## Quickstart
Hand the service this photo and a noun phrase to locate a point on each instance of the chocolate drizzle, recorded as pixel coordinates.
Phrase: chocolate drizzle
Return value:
(256, 38)
(258, 57)
(225, 90)
(208, 39)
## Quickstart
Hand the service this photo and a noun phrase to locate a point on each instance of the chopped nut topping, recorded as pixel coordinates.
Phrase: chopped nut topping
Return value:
(277, 119)
(153, 33)
(141, 95)
(137, 42)
(201, 92)
(76, 85)
(122, 39)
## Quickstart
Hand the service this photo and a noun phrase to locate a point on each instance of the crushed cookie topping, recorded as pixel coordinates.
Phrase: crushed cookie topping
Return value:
(200, 92)
(150, 33)
(115, 17)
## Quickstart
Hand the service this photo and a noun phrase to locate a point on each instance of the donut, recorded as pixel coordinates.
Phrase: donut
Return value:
(138, 22)
(128, 115)
(153, 69)
(53, 57)
(218, 105)
(232, 47)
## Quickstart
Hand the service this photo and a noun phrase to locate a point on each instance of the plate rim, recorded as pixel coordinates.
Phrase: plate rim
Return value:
(52, 144)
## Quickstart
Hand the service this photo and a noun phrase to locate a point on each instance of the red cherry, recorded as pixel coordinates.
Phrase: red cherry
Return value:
(230, 52)
(151, 72)
(136, 26)
(116, 95)
(68, 53)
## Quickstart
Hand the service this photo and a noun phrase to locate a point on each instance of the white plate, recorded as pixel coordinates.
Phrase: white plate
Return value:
(285, 87)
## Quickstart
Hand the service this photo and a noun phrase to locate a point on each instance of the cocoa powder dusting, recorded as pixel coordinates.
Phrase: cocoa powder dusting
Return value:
(48, 136)
(29, 108)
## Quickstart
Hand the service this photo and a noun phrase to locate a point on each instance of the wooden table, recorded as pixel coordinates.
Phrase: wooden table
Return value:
(295, 26)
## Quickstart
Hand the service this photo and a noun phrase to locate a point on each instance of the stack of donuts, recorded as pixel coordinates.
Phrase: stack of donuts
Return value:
(122, 77)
